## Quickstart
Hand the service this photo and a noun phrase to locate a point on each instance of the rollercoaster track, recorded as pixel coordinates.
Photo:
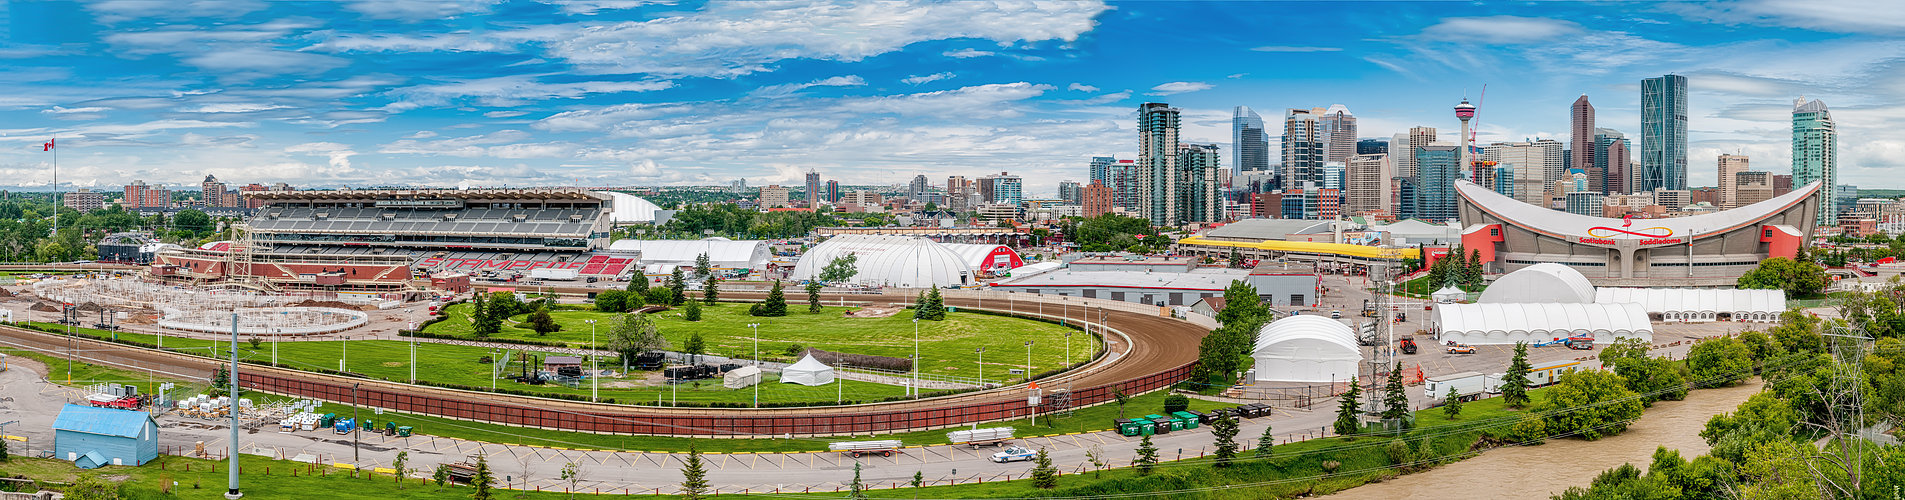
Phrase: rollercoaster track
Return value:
(1160, 353)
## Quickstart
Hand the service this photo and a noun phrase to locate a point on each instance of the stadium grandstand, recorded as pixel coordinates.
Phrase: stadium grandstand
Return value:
(379, 239)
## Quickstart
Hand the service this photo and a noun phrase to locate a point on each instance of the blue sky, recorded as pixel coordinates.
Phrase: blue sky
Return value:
(634, 92)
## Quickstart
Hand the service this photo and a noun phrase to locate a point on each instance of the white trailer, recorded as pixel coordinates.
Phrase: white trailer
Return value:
(545, 273)
(1550, 373)
(1469, 386)
(884, 447)
(980, 437)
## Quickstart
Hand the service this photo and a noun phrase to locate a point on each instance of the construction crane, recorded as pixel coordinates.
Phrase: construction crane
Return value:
(1482, 171)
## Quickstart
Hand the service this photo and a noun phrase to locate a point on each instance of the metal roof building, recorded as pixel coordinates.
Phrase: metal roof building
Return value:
(95, 437)
(1510, 323)
(1166, 289)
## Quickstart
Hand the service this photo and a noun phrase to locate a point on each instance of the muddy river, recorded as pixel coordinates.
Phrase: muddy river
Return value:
(1509, 472)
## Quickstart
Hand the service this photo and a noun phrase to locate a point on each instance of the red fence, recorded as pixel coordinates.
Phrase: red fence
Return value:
(637, 421)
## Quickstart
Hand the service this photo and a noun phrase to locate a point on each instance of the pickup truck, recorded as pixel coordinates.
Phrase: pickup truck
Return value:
(1014, 454)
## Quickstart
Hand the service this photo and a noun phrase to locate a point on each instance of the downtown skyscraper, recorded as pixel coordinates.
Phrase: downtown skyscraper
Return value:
(1816, 154)
(1663, 133)
(1339, 134)
(1157, 162)
(1251, 143)
(1303, 151)
(1581, 143)
(813, 189)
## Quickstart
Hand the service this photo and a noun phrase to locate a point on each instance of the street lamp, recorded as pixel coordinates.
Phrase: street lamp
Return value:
(231, 478)
(982, 366)
(595, 384)
(1068, 349)
(341, 360)
(1028, 379)
(413, 348)
(757, 362)
(915, 358)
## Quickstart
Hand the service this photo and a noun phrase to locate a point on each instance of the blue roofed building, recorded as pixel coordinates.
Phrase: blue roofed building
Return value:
(94, 437)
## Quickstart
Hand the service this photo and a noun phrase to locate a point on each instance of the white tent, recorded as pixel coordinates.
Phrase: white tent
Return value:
(897, 261)
(1544, 282)
(630, 209)
(1449, 294)
(1306, 349)
(722, 253)
(808, 371)
(1700, 304)
(1510, 323)
(742, 377)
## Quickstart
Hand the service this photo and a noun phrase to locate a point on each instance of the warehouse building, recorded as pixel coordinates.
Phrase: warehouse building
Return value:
(95, 437)
(662, 256)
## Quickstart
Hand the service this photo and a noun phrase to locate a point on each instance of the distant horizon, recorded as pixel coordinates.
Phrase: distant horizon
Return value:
(559, 92)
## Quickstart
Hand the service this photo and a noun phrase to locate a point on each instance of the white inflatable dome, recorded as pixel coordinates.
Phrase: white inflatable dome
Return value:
(896, 261)
(1306, 349)
(1546, 282)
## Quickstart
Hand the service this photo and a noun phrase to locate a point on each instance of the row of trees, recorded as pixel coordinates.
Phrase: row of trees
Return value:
(1459, 268)
(1799, 278)
(1113, 233)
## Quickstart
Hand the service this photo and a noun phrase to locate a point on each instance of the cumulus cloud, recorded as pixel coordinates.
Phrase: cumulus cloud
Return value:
(1080, 87)
(1178, 88)
(787, 89)
(919, 79)
(509, 91)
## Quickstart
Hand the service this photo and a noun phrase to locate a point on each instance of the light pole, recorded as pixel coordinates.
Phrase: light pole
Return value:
(1031, 386)
(231, 476)
(982, 366)
(413, 348)
(915, 358)
(757, 362)
(343, 359)
(1068, 349)
(595, 385)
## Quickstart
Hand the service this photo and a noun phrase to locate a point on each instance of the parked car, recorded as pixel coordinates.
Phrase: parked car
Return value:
(1336, 315)
(1014, 454)
(1461, 349)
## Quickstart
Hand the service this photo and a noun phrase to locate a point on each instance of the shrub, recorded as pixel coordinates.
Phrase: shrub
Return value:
(1176, 403)
(692, 312)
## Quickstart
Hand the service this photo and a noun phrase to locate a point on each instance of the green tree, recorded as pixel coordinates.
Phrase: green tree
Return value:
(1236, 258)
(1264, 443)
(193, 220)
(613, 301)
(541, 322)
(933, 307)
(694, 346)
(1223, 430)
(711, 289)
(813, 297)
(776, 303)
(632, 334)
(482, 478)
(1515, 382)
(1798, 279)
(1591, 404)
(482, 322)
(1348, 407)
(1147, 456)
(403, 459)
(692, 312)
(441, 476)
(638, 284)
(1044, 474)
(502, 305)
(677, 288)
(3, 451)
(694, 475)
(702, 266)
(572, 472)
(1452, 404)
(1395, 399)
(1720, 362)
(840, 269)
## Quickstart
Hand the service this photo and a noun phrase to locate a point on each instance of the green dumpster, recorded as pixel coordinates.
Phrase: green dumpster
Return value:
(390, 428)
(403, 431)
(1189, 421)
(1146, 427)
(329, 419)
(1127, 427)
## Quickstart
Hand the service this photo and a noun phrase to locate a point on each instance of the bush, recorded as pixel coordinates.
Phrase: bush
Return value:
(1176, 403)
(1591, 404)
(613, 301)
(1720, 362)
(692, 312)
(795, 349)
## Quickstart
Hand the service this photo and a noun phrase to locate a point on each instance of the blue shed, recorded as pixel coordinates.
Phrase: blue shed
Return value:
(93, 437)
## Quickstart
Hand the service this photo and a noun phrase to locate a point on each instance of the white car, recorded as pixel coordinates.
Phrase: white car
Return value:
(1013, 454)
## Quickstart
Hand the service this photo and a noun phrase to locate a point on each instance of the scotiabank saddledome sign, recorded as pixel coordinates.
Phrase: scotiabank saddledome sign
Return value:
(1603, 235)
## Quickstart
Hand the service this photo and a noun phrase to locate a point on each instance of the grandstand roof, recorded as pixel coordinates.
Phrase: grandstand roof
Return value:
(497, 222)
(485, 193)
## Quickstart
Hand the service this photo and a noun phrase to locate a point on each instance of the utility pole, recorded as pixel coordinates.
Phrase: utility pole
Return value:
(357, 424)
(757, 362)
(595, 382)
(231, 476)
(915, 387)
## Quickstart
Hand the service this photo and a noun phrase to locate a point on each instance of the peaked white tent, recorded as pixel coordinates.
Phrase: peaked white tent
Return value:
(741, 378)
(1449, 294)
(808, 371)
(1306, 349)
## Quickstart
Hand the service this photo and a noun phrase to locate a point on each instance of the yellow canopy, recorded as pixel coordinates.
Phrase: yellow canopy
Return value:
(1344, 249)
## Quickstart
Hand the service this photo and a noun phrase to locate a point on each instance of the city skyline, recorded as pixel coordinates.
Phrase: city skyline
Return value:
(533, 93)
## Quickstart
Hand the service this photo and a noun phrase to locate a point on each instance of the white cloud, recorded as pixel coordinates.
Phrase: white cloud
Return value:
(1499, 29)
(498, 144)
(245, 63)
(591, 7)
(339, 155)
(418, 10)
(787, 89)
(966, 53)
(1081, 87)
(504, 114)
(968, 99)
(452, 42)
(235, 107)
(1234, 76)
(919, 79)
(1178, 88)
(1844, 16)
(605, 117)
(1293, 48)
(56, 110)
(728, 39)
(509, 91)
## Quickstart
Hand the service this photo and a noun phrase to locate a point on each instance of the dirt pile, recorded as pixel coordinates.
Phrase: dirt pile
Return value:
(877, 311)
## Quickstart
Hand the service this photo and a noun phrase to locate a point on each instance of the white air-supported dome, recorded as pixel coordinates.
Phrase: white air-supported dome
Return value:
(1539, 283)
(1306, 349)
(630, 209)
(896, 261)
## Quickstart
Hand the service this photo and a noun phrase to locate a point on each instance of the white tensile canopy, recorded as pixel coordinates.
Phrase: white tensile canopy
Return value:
(808, 371)
(1544, 282)
(742, 377)
(722, 253)
(1510, 323)
(630, 209)
(895, 261)
(1700, 304)
(1306, 349)
(1449, 294)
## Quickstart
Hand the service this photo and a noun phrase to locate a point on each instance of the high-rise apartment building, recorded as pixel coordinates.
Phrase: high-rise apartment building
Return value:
(1816, 154)
(1587, 203)
(1581, 143)
(1157, 162)
(1663, 133)
(1339, 134)
(1101, 169)
(958, 194)
(1097, 199)
(1372, 147)
(212, 192)
(1124, 184)
(139, 195)
(1612, 157)
(1303, 150)
(1071, 192)
(1003, 188)
(917, 189)
(84, 200)
(1730, 166)
(1367, 188)
(813, 188)
(774, 195)
(833, 191)
(1419, 137)
(1438, 169)
(1536, 165)
(1202, 197)
(1751, 187)
(1250, 142)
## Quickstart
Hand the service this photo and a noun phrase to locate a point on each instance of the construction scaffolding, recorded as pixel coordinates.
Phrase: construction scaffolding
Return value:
(200, 310)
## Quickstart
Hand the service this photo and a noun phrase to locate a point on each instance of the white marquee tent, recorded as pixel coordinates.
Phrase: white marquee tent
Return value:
(896, 261)
(630, 209)
(722, 253)
(741, 378)
(1544, 282)
(1449, 294)
(1486, 323)
(1306, 349)
(808, 371)
(1700, 304)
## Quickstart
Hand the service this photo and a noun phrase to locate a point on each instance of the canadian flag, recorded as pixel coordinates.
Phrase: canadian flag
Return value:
(48, 146)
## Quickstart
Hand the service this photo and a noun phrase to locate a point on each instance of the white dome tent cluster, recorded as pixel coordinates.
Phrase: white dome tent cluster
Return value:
(1701, 304)
(895, 261)
(1485, 323)
(1306, 349)
(1547, 301)
(1544, 282)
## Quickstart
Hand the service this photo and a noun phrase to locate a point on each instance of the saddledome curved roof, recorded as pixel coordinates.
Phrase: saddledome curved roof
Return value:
(1556, 222)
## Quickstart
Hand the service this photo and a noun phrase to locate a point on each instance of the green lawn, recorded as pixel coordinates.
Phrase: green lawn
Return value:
(84, 374)
(947, 347)
(205, 480)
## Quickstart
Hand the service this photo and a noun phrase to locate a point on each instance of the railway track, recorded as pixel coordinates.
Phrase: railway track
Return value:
(1159, 352)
